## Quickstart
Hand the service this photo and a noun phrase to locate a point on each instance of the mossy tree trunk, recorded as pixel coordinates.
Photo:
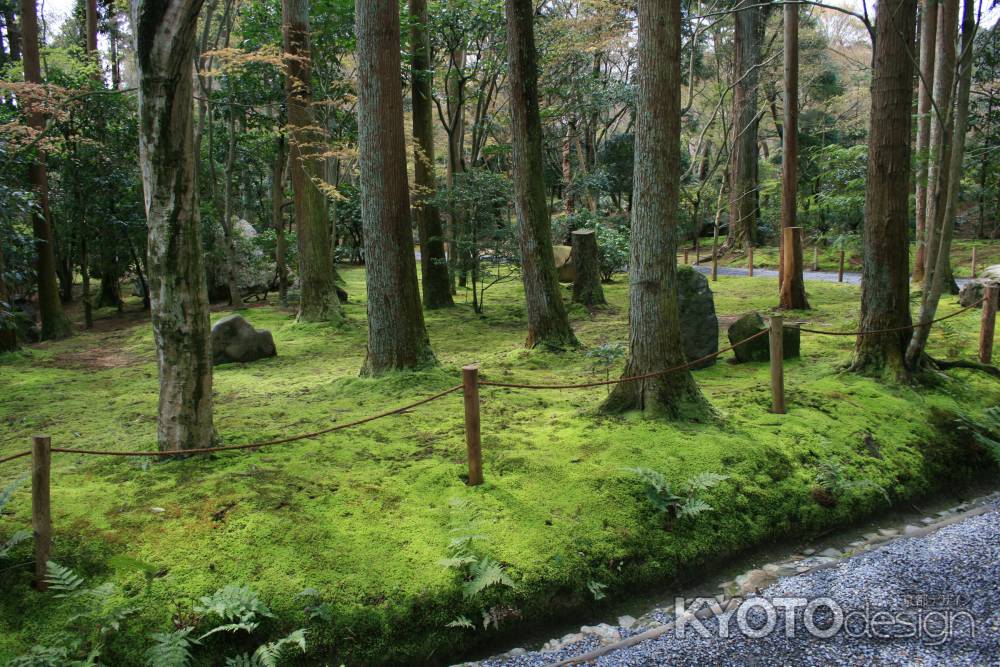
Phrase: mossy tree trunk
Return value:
(548, 323)
(318, 300)
(940, 273)
(55, 324)
(8, 334)
(164, 43)
(654, 320)
(587, 288)
(925, 84)
(397, 338)
(885, 292)
(743, 192)
(278, 218)
(433, 263)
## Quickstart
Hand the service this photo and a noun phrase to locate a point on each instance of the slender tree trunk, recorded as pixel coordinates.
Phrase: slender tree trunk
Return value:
(941, 136)
(885, 290)
(92, 30)
(941, 274)
(55, 324)
(397, 338)
(793, 288)
(8, 333)
(317, 276)
(228, 225)
(433, 263)
(278, 218)
(654, 320)
(164, 44)
(569, 199)
(743, 191)
(13, 33)
(925, 86)
(548, 323)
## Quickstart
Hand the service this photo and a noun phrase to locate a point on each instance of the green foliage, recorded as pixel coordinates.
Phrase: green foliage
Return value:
(171, 649)
(270, 654)
(985, 430)
(835, 477)
(62, 580)
(597, 589)
(683, 504)
(238, 607)
(605, 356)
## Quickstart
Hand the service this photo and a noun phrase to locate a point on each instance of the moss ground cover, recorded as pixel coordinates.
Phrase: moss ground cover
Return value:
(365, 516)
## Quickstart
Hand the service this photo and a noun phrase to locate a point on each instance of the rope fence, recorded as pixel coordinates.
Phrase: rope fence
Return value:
(42, 450)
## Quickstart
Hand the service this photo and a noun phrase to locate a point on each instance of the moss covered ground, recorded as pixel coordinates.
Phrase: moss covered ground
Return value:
(364, 516)
(987, 254)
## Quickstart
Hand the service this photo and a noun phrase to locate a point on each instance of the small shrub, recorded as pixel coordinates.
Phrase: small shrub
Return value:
(684, 503)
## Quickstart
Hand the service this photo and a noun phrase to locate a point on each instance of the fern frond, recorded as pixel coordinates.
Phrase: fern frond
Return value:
(171, 649)
(8, 491)
(62, 580)
(692, 507)
(461, 622)
(269, 654)
(704, 481)
(15, 539)
(485, 573)
(234, 603)
(652, 478)
(457, 562)
(231, 627)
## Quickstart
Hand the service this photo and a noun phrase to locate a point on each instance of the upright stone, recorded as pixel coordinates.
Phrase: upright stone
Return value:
(699, 323)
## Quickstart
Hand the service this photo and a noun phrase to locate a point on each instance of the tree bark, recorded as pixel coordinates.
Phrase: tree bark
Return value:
(228, 225)
(941, 135)
(278, 218)
(743, 191)
(942, 254)
(13, 33)
(55, 324)
(885, 292)
(164, 44)
(433, 263)
(397, 338)
(8, 332)
(928, 52)
(587, 288)
(548, 323)
(654, 320)
(318, 300)
(793, 288)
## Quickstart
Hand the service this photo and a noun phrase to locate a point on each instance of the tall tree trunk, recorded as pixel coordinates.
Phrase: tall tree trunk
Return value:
(941, 136)
(885, 289)
(8, 332)
(317, 276)
(278, 218)
(228, 224)
(397, 338)
(548, 323)
(654, 320)
(13, 34)
(942, 254)
(569, 197)
(743, 190)
(433, 263)
(55, 324)
(164, 45)
(793, 288)
(925, 86)
(455, 91)
(92, 30)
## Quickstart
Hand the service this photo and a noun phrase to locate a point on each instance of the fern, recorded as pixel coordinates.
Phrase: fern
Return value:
(661, 495)
(704, 481)
(231, 627)
(171, 649)
(483, 574)
(985, 431)
(692, 507)
(62, 580)
(234, 604)
(269, 654)
(8, 491)
(597, 589)
(461, 622)
(42, 656)
(834, 477)
(15, 539)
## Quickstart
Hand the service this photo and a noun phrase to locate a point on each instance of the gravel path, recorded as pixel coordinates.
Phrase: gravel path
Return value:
(808, 276)
(944, 578)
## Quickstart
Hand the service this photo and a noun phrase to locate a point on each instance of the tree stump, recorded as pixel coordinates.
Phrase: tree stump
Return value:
(587, 282)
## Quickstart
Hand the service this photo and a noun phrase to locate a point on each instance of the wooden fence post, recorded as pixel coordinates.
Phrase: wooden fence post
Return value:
(777, 365)
(41, 509)
(470, 389)
(840, 271)
(973, 261)
(988, 324)
(685, 256)
(750, 261)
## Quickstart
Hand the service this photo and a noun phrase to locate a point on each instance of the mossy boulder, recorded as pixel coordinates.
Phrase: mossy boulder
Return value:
(759, 349)
(699, 323)
(972, 293)
(234, 340)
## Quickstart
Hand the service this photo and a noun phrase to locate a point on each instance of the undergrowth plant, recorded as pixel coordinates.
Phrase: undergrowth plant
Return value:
(834, 478)
(479, 572)
(985, 430)
(682, 502)
(20, 535)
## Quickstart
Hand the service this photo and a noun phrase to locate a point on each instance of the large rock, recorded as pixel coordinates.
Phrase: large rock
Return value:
(564, 263)
(759, 349)
(972, 293)
(699, 323)
(234, 340)
(991, 274)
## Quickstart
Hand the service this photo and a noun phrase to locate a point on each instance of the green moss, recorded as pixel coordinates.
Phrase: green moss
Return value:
(364, 515)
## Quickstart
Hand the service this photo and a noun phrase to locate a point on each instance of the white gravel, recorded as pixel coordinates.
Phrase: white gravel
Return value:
(956, 569)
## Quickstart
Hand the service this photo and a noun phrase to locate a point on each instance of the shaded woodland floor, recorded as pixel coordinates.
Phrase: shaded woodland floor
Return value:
(365, 516)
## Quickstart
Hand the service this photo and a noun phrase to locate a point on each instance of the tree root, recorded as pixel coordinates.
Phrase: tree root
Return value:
(946, 364)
